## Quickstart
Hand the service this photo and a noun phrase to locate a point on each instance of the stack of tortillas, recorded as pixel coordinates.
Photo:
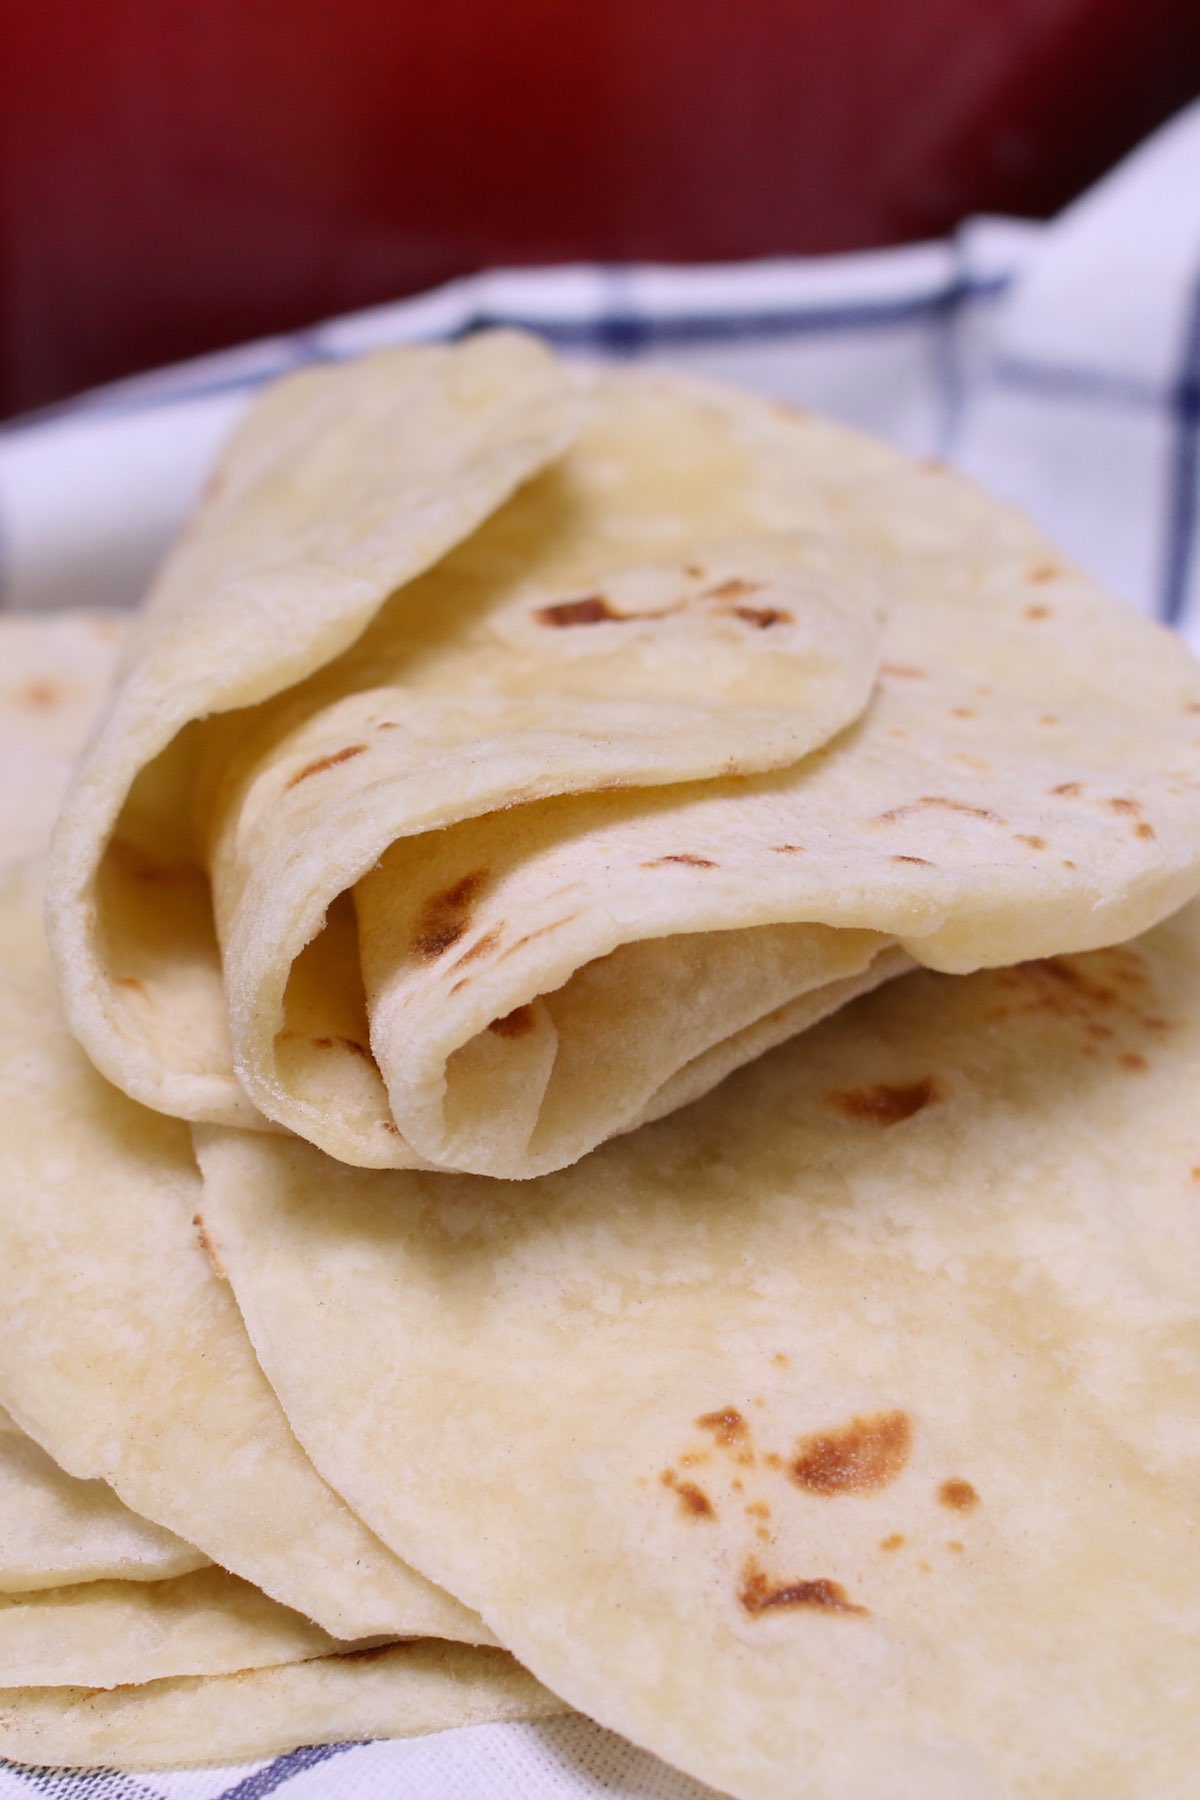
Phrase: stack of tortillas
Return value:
(426, 1301)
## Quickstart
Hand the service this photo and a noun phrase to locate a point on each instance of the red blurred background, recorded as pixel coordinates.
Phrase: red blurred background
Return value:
(177, 175)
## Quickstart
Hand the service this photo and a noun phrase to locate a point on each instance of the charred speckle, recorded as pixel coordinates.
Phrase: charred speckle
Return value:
(42, 696)
(958, 1495)
(342, 1043)
(758, 1594)
(936, 802)
(326, 762)
(480, 947)
(692, 1499)
(922, 860)
(727, 1425)
(682, 856)
(518, 1023)
(445, 917)
(856, 1458)
(761, 617)
(887, 1104)
(593, 609)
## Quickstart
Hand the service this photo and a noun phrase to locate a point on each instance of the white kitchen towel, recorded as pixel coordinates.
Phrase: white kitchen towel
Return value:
(1059, 364)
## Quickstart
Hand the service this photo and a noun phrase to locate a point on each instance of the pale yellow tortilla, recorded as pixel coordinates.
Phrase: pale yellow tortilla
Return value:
(106, 1634)
(837, 1435)
(419, 865)
(122, 1353)
(55, 670)
(56, 1531)
(402, 1692)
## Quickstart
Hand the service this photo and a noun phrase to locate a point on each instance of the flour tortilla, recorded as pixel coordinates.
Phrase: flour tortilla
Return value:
(738, 644)
(837, 1435)
(110, 1633)
(423, 853)
(123, 1355)
(56, 1531)
(401, 1692)
(54, 673)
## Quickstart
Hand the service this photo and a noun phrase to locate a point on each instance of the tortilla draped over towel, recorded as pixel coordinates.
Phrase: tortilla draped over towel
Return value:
(507, 753)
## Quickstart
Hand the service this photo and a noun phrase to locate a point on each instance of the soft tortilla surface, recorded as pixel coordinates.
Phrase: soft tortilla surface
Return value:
(56, 1531)
(123, 1354)
(106, 1634)
(55, 671)
(837, 1435)
(594, 804)
(400, 1692)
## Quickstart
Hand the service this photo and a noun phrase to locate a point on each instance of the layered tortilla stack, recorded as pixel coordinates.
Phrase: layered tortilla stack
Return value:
(641, 1011)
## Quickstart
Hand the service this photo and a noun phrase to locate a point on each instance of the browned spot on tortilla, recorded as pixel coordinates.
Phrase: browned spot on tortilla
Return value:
(1129, 1059)
(695, 1459)
(682, 856)
(131, 982)
(733, 589)
(938, 802)
(758, 1509)
(1035, 613)
(388, 1126)
(540, 932)
(388, 725)
(218, 1268)
(1035, 843)
(923, 860)
(963, 712)
(692, 1499)
(954, 1544)
(1049, 719)
(1145, 830)
(342, 1043)
(1196, 1173)
(856, 1458)
(445, 917)
(958, 1495)
(886, 1103)
(694, 570)
(788, 849)
(904, 671)
(593, 609)
(1046, 571)
(1192, 706)
(727, 1426)
(518, 1023)
(758, 1594)
(773, 1459)
(1068, 864)
(781, 1360)
(325, 762)
(762, 616)
(1122, 805)
(1067, 789)
(42, 696)
(894, 1542)
(480, 947)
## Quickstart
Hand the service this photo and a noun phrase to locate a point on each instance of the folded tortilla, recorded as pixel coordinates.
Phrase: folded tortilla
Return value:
(837, 1435)
(470, 847)
(400, 1692)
